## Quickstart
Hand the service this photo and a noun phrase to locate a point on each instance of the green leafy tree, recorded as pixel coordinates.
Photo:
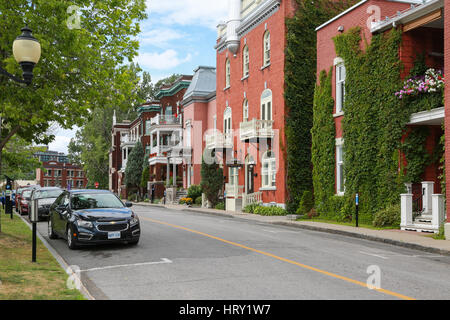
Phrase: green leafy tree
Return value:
(19, 162)
(133, 171)
(145, 175)
(212, 181)
(77, 65)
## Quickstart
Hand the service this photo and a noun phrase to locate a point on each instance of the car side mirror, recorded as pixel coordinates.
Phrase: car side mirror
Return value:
(61, 208)
(128, 204)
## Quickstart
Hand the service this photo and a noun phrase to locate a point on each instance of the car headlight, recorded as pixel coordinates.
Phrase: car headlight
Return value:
(85, 224)
(134, 221)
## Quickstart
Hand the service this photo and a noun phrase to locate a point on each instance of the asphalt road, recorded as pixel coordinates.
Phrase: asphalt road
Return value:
(185, 255)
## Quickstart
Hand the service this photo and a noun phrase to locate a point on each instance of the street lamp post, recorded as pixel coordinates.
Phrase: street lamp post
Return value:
(27, 52)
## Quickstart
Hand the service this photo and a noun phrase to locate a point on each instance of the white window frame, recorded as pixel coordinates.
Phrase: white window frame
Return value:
(245, 111)
(227, 123)
(245, 62)
(233, 174)
(340, 189)
(266, 46)
(268, 171)
(227, 73)
(340, 88)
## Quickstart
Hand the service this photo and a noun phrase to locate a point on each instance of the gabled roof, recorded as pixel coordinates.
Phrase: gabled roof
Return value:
(203, 85)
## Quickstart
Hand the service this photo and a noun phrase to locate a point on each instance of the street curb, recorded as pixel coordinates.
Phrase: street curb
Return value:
(366, 237)
(398, 243)
(58, 258)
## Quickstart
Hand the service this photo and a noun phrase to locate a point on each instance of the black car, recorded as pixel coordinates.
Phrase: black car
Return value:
(92, 217)
(45, 197)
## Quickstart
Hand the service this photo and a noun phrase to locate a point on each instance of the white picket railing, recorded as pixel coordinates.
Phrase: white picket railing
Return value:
(252, 198)
(256, 128)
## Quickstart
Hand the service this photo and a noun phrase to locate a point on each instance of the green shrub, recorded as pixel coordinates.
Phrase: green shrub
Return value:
(251, 208)
(194, 191)
(441, 234)
(306, 203)
(388, 217)
(270, 211)
(220, 206)
(198, 200)
(132, 197)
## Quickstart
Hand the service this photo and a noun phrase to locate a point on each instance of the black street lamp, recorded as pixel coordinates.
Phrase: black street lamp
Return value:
(27, 52)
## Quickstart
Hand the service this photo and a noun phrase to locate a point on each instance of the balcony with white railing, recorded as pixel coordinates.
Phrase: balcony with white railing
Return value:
(166, 120)
(256, 129)
(219, 140)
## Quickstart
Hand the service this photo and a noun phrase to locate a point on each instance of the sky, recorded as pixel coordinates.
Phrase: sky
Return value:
(177, 37)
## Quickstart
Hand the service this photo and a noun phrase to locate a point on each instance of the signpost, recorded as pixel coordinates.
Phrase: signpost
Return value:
(96, 185)
(357, 208)
(34, 219)
(8, 196)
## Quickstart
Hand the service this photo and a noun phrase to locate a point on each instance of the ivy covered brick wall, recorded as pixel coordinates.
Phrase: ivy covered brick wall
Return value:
(300, 79)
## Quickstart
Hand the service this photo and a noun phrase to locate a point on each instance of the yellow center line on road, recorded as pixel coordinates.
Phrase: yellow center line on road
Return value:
(391, 293)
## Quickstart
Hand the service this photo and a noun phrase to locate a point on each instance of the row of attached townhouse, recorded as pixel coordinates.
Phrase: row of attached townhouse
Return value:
(238, 109)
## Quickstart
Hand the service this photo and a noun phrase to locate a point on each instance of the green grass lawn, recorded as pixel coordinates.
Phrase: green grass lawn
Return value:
(20, 279)
(350, 224)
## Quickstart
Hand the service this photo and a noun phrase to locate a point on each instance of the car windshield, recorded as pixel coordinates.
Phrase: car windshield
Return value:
(42, 194)
(95, 201)
(26, 194)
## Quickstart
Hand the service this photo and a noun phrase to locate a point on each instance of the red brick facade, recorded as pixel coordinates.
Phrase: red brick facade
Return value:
(58, 174)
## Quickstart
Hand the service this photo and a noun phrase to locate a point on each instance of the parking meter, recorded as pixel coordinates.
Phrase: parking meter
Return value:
(34, 210)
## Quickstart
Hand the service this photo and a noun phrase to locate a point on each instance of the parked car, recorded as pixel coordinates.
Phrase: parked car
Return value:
(84, 217)
(25, 198)
(45, 196)
(19, 192)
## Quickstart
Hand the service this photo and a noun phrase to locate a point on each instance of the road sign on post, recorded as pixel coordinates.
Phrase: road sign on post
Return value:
(357, 209)
(96, 185)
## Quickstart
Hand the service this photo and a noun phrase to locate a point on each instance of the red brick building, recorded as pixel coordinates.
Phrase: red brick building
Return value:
(250, 103)
(422, 25)
(61, 174)
(159, 128)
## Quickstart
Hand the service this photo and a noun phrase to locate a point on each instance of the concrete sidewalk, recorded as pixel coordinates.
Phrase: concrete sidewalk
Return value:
(408, 239)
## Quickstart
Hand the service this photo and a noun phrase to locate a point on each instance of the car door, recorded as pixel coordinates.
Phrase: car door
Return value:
(54, 215)
(59, 214)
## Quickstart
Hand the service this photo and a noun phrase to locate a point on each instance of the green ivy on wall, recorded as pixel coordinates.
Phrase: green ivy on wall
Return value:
(323, 144)
(417, 156)
(374, 120)
(300, 79)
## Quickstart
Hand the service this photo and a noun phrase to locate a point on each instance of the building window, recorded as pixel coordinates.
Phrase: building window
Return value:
(266, 106)
(234, 176)
(269, 170)
(246, 62)
(245, 111)
(340, 87)
(169, 111)
(267, 48)
(340, 177)
(227, 73)
(227, 121)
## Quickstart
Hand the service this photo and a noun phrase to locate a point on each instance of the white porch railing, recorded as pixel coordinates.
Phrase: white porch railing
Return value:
(165, 120)
(256, 128)
(253, 198)
(219, 140)
(234, 190)
(432, 215)
(159, 150)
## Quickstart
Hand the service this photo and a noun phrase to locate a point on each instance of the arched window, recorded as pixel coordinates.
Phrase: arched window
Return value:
(267, 48)
(245, 111)
(266, 105)
(227, 73)
(269, 170)
(245, 62)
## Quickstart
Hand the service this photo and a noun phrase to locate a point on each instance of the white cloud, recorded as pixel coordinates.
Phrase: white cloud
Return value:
(159, 37)
(62, 139)
(189, 12)
(161, 61)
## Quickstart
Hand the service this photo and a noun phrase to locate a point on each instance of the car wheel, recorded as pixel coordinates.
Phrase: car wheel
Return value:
(51, 233)
(134, 242)
(71, 242)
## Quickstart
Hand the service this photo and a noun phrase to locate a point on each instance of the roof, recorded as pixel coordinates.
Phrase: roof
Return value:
(203, 85)
(169, 90)
(359, 4)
